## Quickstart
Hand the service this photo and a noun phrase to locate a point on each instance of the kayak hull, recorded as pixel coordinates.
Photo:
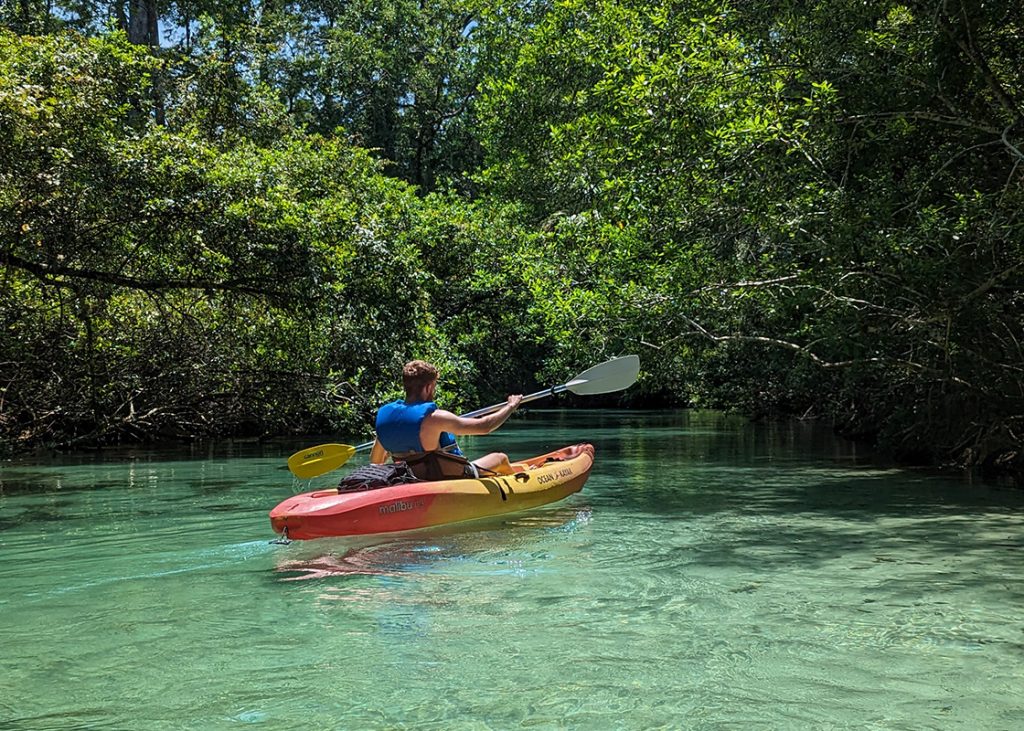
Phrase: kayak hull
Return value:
(326, 513)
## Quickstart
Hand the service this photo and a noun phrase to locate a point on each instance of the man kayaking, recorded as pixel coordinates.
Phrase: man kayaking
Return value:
(414, 430)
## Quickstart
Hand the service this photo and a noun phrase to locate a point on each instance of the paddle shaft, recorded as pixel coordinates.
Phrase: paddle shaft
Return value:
(553, 391)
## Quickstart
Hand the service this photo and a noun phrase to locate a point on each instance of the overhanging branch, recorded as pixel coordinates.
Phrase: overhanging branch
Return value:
(63, 276)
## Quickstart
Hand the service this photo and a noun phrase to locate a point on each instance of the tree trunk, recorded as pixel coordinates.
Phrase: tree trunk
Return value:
(143, 28)
(143, 23)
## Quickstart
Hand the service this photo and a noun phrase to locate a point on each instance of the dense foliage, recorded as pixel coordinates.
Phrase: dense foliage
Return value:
(227, 220)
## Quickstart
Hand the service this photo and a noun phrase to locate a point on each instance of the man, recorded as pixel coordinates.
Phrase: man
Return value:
(416, 431)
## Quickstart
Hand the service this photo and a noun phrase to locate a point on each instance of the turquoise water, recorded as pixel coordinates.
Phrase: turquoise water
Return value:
(713, 574)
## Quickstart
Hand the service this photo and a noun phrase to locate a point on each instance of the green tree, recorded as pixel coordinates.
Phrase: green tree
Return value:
(793, 190)
(150, 271)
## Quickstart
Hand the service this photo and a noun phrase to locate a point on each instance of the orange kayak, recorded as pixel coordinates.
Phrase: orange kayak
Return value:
(539, 481)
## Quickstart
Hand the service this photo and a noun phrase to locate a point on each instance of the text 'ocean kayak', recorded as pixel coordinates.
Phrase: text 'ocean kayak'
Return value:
(539, 481)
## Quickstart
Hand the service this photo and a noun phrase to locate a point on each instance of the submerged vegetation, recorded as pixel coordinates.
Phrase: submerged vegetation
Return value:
(241, 220)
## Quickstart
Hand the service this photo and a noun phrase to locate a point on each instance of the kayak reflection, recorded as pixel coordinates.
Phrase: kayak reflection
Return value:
(419, 551)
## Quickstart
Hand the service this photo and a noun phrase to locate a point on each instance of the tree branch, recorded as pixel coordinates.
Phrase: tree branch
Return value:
(57, 275)
(925, 117)
(970, 48)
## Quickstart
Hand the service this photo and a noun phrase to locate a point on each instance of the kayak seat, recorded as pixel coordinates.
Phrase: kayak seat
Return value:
(376, 476)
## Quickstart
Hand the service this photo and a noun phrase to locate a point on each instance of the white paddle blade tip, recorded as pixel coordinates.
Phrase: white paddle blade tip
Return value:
(616, 374)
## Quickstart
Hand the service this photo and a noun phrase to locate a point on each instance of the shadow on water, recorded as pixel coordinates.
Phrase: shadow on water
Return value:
(58, 471)
(682, 462)
(49, 514)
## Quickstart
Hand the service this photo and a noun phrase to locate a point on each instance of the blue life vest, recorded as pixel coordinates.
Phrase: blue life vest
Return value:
(447, 442)
(398, 427)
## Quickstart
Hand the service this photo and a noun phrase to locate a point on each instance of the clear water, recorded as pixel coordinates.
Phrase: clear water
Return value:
(713, 574)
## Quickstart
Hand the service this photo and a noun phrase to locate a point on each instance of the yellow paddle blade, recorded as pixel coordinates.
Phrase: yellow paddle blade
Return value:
(319, 460)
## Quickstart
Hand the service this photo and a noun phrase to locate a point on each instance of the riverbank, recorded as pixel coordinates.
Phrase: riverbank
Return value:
(1005, 468)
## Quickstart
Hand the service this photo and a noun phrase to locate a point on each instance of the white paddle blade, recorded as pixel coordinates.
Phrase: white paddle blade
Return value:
(613, 375)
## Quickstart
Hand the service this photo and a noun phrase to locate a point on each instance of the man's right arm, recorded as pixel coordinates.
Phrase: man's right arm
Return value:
(462, 426)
